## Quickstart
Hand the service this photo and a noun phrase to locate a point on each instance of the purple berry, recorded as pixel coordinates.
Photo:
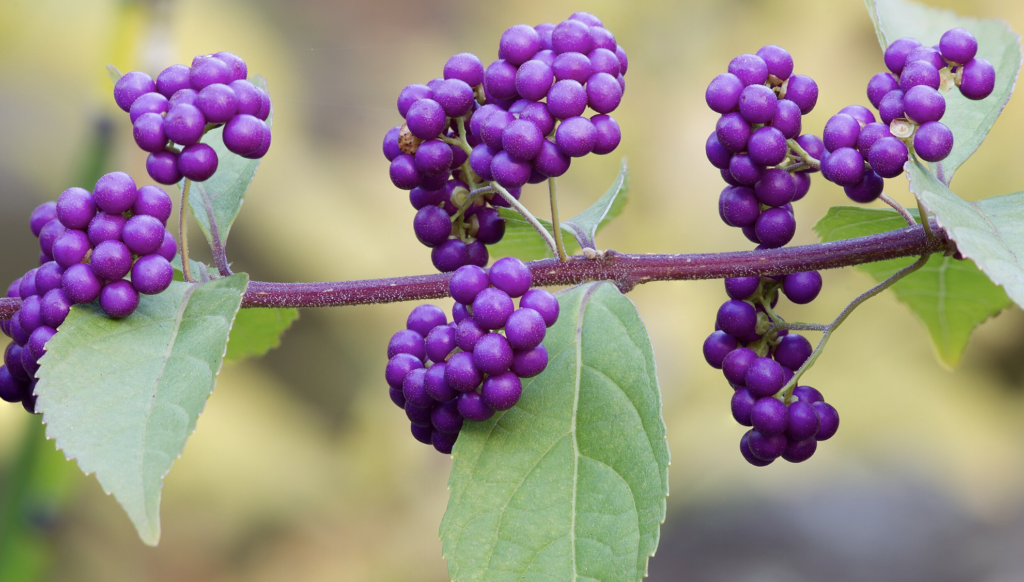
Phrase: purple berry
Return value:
(466, 67)
(604, 93)
(11, 389)
(844, 167)
(443, 442)
(829, 420)
(217, 102)
(143, 234)
(130, 87)
(764, 377)
(543, 302)
(803, 421)
(467, 334)
(928, 55)
(978, 80)
(152, 274)
(148, 103)
(933, 141)
(411, 94)
(723, 93)
(466, 283)
(887, 157)
(807, 394)
(511, 276)
(742, 287)
(792, 351)
(867, 190)
(751, 69)
(163, 167)
(717, 154)
(49, 235)
(461, 373)
(29, 316)
(522, 140)
(803, 91)
(455, 97)
(424, 318)
(433, 157)
(183, 96)
(440, 342)
(737, 318)
(436, 386)
(414, 390)
(403, 172)
(153, 201)
(48, 277)
(518, 44)
(758, 104)
(769, 417)
(733, 132)
(891, 106)
(472, 407)
(115, 192)
(501, 392)
(767, 146)
(572, 66)
(500, 80)
(450, 255)
(841, 131)
(525, 329)
(245, 134)
(492, 308)
(172, 79)
(571, 36)
(426, 119)
(169, 248)
(603, 60)
(27, 285)
(81, 284)
(492, 354)
(567, 98)
(748, 455)
(775, 227)
(530, 363)
(207, 70)
(418, 416)
(778, 59)
(788, 118)
(197, 162)
(958, 45)
(718, 345)
(398, 367)
(148, 131)
(922, 104)
(896, 54)
(104, 227)
(871, 133)
(119, 299)
(919, 73)
(745, 170)
(576, 136)
(446, 418)
(406, 341)
(879, 86)
(42, 214)
(75, 208)
(184, 124)
(802, 288)
(249, 98)
(54, 307)
(739, 206)
(862, 114)
(775, 188)
(508, 172)
(111, 260)
(37, 341)
(800, 451)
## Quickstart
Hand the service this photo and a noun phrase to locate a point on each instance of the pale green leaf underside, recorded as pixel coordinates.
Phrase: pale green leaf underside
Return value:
(523, 241)
(570, 484)
(223, 194)
(969, 120)
(989, 231)
(257, 331)
(950, 297)
(122, 396)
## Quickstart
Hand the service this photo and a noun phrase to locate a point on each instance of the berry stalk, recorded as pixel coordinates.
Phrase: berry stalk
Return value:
(553, 192)
(186, 270)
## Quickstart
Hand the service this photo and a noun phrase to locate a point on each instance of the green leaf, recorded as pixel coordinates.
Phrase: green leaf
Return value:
(257, 331)
(523, 241)
(114, 74)
(219, 199)
(570, 484)
(969, 120)
(990, 231)
(123, 396)
(586, 224)
(950, 297)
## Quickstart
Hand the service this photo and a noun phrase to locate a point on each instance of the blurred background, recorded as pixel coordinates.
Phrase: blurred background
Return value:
(302, 469)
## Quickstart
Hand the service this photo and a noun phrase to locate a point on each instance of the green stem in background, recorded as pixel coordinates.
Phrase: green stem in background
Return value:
(528, 216)
(186, 272)
(787, 390)
(552, 191)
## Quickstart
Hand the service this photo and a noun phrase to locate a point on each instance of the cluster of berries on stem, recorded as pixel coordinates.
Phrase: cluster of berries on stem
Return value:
(89, 243)
(473, 138)
(443, 373)
(170, 115)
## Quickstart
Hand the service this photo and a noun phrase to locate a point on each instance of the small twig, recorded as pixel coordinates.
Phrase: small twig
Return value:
(220, 257)
(924, 218)
(787, 390)
(528, 216)
(900, 208)
(469, 201)
(806, 157)
(186, 271)
(554, 220)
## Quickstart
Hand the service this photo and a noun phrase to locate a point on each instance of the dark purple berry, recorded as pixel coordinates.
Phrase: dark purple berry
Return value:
(530, 363)
(788, 119)
(766, 448)
(800, 451)
(54, 307)
(525, 329)
(958, 45)
(767, 146)
(978, 80)
(172, 79)
(844, 167)
(406, 341)
(758, 104)
(163, 167)
(748, 455)
(436, 386)
(718, 345)
(467, 334)
(803, 91)
(440, 342)
(802, 288)
(81, 284)
(398, 367)
(775, 227)
(197, 162)
(49, 235)
(841, 131)
(446, 418)
(775, 188)
(508, 172)
(461, 373)
(750, 69)
(543, 302)
(922, 104)
(867, 190)
(887, 157)
(733, 132)
(472, 407)
(739, 206)
(130, 87)
(492, 354)
(37, 341)
(502, 391)
(807, 394)
(803, 421)
(48, 277)
(723, 93)
(896, 54)
(764, 377)
(511, 276)
(414, 391)
(829, 420)
(919, 73)
(792, 351)
(769, 416)
(75, 208)
(152, 274)
(418, 415)
(119, 299)
(736, 364)
(933, 141)
(737, 318)
(443, 442)
(879, 86)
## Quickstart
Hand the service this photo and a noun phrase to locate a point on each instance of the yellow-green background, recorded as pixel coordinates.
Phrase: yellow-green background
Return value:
(302, 469)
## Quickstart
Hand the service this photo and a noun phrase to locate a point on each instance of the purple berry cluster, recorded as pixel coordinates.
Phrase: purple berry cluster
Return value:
(521, 120)
(183, 104)
(762, 104)
(758, 365)
(89, 241)
(443, 373)
(861, 152)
